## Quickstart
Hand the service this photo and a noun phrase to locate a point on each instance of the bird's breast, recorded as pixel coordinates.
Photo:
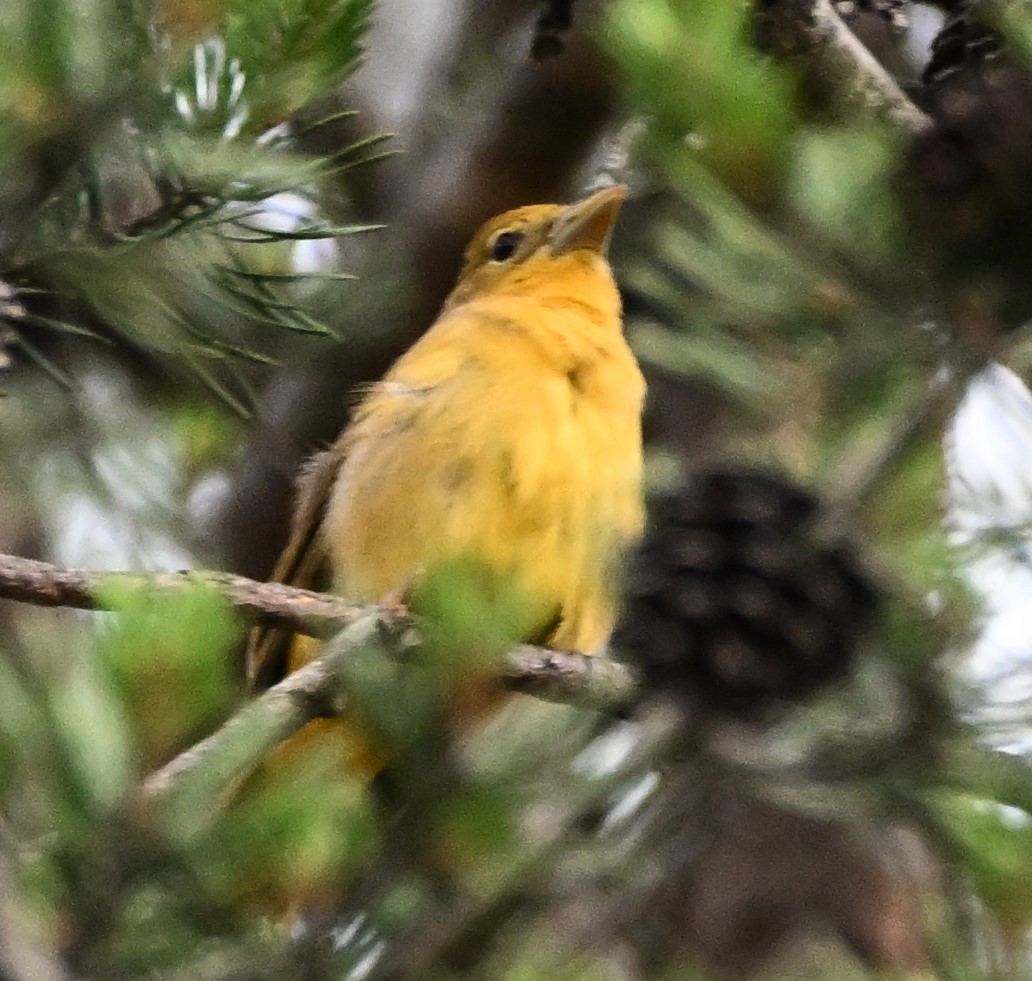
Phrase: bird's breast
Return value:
(520, 449)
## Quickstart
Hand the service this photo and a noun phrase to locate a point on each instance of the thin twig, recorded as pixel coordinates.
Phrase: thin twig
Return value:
(570, 678)
(272, 604)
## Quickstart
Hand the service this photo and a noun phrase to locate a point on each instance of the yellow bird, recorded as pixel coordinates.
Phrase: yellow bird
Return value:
(509, 434)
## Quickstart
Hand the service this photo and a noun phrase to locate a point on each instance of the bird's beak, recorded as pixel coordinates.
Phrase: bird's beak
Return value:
(588, 224)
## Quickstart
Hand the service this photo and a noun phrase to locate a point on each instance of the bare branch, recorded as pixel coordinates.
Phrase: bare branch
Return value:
(570, 678)
(812, 30)
(195, 782)
(301, 610)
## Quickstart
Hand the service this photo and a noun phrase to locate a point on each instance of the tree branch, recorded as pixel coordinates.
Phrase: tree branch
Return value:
(193, 786)
(812, 30)
(195, 781)
(273, 604)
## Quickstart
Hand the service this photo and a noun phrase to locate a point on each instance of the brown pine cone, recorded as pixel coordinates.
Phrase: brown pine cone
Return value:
(732, 605)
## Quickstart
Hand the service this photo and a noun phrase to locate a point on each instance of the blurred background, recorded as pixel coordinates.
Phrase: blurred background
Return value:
(220, 218)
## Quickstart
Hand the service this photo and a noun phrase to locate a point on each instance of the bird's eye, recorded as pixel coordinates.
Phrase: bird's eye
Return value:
(505, 246)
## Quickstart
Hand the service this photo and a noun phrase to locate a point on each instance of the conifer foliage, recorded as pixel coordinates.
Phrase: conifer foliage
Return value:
(808, 756)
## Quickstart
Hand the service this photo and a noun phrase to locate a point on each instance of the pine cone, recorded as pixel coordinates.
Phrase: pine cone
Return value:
(732, 605)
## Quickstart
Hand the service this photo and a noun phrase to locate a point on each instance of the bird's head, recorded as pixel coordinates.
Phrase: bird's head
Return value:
(542, 250)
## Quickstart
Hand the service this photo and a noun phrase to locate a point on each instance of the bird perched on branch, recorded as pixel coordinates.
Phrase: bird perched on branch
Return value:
(507, 438)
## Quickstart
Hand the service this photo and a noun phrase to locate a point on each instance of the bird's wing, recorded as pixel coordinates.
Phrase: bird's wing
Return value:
(301, 564)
